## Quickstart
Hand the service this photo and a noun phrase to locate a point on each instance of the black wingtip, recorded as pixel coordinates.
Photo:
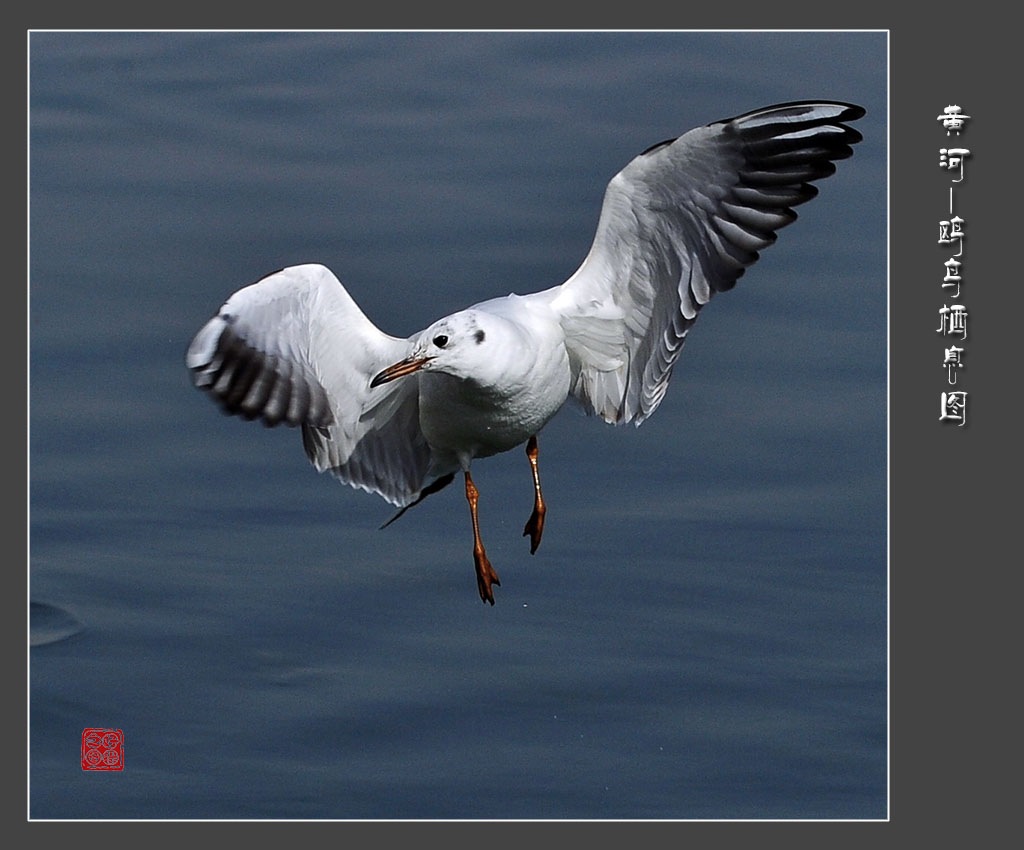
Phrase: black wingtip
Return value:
(431, 488)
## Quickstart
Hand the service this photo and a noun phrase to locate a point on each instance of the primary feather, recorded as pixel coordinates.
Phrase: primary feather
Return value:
(681, 222)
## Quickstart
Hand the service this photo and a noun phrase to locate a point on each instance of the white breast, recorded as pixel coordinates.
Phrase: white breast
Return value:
(522, 383)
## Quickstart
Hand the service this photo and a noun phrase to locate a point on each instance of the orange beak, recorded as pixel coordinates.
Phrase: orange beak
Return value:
(400, 370)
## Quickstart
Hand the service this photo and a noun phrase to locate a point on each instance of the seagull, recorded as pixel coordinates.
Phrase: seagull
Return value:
(401, 417)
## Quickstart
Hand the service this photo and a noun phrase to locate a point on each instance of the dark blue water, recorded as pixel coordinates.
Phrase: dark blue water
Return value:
(702, 633)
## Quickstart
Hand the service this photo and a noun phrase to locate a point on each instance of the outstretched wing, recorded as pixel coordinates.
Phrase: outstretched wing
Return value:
(295, 349)
(679, 223)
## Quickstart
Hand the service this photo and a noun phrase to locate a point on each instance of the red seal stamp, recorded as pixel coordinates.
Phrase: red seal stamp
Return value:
(102, 749)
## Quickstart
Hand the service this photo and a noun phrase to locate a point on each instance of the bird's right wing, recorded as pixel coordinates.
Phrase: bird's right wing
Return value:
(295, 349)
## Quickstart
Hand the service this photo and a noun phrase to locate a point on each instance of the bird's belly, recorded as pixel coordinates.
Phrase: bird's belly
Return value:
(466, 420)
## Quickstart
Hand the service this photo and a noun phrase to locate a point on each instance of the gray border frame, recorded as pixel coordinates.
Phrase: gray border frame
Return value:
(950, 621)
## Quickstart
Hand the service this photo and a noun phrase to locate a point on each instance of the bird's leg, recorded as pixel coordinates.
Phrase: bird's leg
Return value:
(535, 524)
(485, 574)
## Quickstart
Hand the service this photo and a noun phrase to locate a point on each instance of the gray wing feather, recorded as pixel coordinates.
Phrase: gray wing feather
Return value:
(680, 223)
(295, 349)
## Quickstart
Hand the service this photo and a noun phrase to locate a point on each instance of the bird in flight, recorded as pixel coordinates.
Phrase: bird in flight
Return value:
(401, 417)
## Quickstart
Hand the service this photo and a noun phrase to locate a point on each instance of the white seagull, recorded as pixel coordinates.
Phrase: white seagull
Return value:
(400, 417)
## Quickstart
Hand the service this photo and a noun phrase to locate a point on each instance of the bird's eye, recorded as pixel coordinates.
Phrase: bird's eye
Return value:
(440, 340)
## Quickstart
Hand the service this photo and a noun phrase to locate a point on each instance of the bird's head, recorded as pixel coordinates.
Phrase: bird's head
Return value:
(456, 345)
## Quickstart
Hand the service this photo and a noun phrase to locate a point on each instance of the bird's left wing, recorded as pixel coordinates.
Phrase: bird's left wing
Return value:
(295, 349)
(679, 223)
